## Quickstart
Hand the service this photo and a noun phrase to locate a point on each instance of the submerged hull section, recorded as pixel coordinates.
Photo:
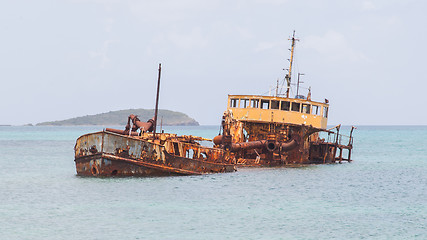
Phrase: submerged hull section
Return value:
(110, 154)
(106, 165)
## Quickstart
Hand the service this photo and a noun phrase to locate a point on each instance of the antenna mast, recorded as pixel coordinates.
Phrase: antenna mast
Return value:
(289, 75)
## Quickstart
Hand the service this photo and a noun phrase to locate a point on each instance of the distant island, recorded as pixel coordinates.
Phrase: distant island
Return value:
(167, 117)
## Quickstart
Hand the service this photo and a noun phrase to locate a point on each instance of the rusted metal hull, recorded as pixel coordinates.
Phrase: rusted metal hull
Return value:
(108, 154)
(105, 165)
(263, 143)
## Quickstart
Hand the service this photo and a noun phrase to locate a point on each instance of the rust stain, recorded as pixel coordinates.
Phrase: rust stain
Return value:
(108, 153)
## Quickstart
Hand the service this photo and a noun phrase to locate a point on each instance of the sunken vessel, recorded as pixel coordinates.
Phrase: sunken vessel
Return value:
(141, 151)
(280, 130)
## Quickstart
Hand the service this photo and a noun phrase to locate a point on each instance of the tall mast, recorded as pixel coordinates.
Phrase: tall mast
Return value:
(289, 75)
(157, 102)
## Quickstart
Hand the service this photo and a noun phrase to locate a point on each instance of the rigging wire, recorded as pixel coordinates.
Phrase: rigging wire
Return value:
(293, 74)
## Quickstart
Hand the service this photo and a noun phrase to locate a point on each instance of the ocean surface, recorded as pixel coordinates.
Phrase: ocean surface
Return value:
(382, 194)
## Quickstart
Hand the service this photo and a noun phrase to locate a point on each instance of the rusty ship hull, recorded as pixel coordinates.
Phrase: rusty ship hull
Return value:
(106, 154)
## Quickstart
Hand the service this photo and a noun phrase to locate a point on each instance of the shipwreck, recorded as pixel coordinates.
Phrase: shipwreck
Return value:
(279, 130)
(256, 130)
(139, 150)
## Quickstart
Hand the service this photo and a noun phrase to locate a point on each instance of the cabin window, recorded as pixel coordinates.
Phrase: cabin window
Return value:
(190, 153)
(285, 106)
(255, 103)
(305, 108)
(265, 104)
(296, 106)
(234, 102)
(176, 149)
(244, 103)
(274, 104)
(315, 110)
(325, 112)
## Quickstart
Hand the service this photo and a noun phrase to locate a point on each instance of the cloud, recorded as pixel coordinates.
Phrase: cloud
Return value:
(102, 53)
(109, 24)
(169, 11)
(192, 39)
(273, 2)
(264, 46)
(368, 5)
(334, 46)
(96, 1)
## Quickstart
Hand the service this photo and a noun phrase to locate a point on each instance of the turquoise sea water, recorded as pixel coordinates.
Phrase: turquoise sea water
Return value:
(381, 195)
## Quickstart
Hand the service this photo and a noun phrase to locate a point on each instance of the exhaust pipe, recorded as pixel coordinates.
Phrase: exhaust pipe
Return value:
(270, 145)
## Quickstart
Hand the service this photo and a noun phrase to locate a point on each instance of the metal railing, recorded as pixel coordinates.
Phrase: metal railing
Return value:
(340, 139)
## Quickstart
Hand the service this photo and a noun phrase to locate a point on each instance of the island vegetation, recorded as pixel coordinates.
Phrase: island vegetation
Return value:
(165, 117)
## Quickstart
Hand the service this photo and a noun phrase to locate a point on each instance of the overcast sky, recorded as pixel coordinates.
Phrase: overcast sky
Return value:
(62, 59)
